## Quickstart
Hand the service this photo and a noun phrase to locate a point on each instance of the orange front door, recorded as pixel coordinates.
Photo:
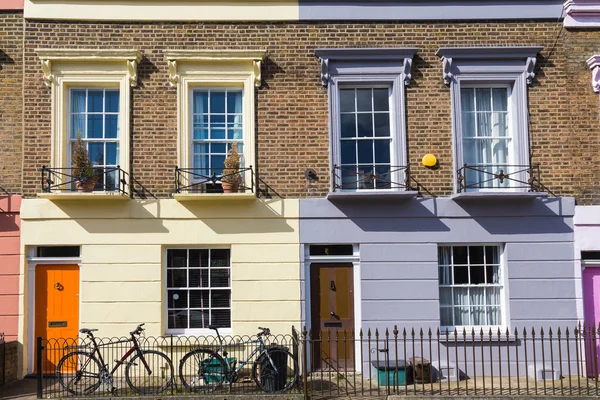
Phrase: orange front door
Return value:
(56, 310)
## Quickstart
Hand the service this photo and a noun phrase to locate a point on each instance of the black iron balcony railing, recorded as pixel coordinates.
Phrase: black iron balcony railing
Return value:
(498, 177)
(355, 178)
(104, 179)
(213, 180)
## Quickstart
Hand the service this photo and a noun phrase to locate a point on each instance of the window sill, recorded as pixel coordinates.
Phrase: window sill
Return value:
(76, 196)
(210, 197)
(459, 338)
(497, 195)
(372, 195)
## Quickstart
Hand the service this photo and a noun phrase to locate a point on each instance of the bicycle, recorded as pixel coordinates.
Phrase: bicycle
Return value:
(275, 369)
(147, 372)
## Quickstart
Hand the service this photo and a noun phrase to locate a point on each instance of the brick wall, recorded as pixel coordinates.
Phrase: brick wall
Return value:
(11, 100)
(292, 111)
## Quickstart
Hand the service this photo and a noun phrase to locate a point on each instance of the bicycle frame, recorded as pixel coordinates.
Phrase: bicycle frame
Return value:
(135, 347)
(261, 349)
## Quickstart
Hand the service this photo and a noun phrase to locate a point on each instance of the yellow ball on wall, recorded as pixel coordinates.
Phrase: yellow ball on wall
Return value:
(429, 160)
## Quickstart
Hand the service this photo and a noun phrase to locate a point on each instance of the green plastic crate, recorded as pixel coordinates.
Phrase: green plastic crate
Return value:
(391, 377)
(214, 372)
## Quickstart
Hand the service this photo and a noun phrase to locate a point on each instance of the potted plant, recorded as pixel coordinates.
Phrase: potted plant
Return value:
(231, 179)
(83, 169)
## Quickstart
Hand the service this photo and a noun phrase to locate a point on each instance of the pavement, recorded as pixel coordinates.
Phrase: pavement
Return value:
(24, 389)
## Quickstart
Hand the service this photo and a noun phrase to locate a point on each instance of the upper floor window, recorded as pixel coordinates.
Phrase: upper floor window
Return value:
(490, 116)
(216, 106)
(367, 117)
(94, 116)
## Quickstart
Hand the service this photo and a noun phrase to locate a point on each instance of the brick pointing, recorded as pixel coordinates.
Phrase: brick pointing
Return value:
(11, 100)
(291, 105)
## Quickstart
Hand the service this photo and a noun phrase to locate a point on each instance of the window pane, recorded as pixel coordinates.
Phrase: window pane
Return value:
(348, 125)
(478, 316)
(96, 152)
(445, 275)
(200, 134)
(221, 318)
(470, 153)
(477, 296)
(217, 163)
(176, 258)
(234, 102)
(363, 100)
(77, 126)
(220, 148)
(234, 134)
(94, 126)
(220, 298)
(500, 99)
(348, 152)
(467, 96)
(475, 255)
(461, 316)
(461, 275)
(199, 318)
(500, 151)
(381, 99)
(217, 121)
(176, 278)
(112, 153)
(78, 98)
(483, 99)
(384, 178)
(199, 298)
(112, 100)
(219, 278)
(446, 316)
(484, 128)
(382, 151)
(177, 298)
(199, 278)
(349, 178)
(477, 275)
(347, 100)
(491, 255)
(492, 274)
(112, 126)
(200, 102)
(201, 148)
(382, 125)
(445, 296)
(492, 296)
(217, 134)
(365, 151)
(219, 258)
(459, 254)
(365, 125)
(178, 319)
(468, 125)
(217, 102)
(95, 101)
(194, 255)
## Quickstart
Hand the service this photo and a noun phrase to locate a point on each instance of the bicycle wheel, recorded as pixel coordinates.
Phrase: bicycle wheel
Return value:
(202, 371)
(79, 373)
(276, 373)
(149, 372)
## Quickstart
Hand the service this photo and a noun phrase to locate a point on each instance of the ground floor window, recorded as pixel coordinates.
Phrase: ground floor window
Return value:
(198, 292)
(470, 286)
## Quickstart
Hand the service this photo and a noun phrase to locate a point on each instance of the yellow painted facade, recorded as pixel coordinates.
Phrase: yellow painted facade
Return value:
(123, 255)
(175, 10)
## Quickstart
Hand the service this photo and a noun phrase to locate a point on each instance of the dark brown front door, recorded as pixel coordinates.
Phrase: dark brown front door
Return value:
(332, 311)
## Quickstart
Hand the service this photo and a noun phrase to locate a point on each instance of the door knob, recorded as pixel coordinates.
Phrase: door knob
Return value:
(332, 313)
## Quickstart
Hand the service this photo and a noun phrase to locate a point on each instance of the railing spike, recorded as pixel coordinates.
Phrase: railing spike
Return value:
(395, 330)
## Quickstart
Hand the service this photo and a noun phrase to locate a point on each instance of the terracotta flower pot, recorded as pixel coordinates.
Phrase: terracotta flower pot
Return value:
(229, 187)
(86, 185)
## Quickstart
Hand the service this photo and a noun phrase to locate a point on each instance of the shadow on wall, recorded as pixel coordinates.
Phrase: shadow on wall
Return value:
(8, 223)
(5, 59)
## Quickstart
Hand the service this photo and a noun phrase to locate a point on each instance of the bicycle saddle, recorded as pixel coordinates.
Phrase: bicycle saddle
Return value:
(87, 330)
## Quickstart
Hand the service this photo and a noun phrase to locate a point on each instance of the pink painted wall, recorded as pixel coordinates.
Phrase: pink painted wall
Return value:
(11, 4)
(10, 226)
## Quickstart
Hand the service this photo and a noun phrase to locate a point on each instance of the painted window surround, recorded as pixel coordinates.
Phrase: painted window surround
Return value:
(66, 68)
(509, 65)
(374, 66)
(594, 63)
(205, 68)
(582, 14)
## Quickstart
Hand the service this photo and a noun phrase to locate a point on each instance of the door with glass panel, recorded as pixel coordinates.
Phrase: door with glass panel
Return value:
(217, 119)
(487, 142)
(94, 115)
(365, 139)
(470, 286)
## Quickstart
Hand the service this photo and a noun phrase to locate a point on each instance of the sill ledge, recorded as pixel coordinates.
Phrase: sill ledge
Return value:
(485, 196)
(101, 196)
(372, 195)
(208, 197)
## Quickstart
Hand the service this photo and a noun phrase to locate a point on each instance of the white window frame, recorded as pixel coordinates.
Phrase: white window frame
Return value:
(195, 331)
(369, 67)
(504, 301)
(68, 69)
(511, 66)
(208, 69)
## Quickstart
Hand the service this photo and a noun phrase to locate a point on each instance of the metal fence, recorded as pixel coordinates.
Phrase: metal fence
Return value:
(2, 359)
(371, 363)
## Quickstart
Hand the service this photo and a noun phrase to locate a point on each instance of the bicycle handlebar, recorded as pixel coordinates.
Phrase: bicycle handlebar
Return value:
(138, 330)
(264, 331)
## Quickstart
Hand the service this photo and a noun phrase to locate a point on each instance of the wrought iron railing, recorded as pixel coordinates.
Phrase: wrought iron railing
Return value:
(555, 361)
(207, 180)
(509, 177)
(353, 178)
(103, 179)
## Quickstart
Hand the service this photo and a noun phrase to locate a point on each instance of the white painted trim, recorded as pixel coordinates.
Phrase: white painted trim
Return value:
(594, 63)
(582, 14)
(32, 263)
(308, 260)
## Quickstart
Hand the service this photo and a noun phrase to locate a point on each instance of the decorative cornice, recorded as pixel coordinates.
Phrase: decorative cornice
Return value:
(403, 55)
(50, 56)
(452, 56)
(582, 13)
(199, 56)
(594, 63)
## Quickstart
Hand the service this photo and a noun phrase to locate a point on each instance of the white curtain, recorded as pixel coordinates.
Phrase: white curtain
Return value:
(78, 121)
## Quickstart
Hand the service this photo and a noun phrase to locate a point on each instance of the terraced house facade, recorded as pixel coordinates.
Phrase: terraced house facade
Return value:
(400, 164)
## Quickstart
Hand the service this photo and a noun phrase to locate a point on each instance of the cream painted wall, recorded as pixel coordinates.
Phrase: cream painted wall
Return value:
(148, 10)
(123, 249)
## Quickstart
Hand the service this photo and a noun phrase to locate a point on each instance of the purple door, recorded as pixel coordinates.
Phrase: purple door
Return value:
(591, 310)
